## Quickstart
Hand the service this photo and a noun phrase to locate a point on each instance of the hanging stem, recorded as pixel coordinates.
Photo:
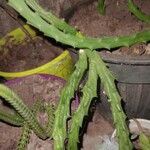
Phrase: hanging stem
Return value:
(63, 110)
(23, 110)
(75, 40)
(101, 7)
(50, 18)
(89, 92)
(137, 12)
(114, 98)
(12, 119)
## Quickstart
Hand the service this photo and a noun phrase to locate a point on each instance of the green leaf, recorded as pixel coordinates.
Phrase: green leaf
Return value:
(137, 12)
(50, 18)
(22, 109)
(25, 136)
(12, 119)
(101, 7)
(108, 81)
(89, 92)
(144, 142)
(63, 110)
(73, 40)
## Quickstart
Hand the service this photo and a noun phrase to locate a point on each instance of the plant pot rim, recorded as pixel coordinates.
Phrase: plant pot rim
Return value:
(48, 68)
(61, 66)
(128, 69)
(125, 59)
(43, 76)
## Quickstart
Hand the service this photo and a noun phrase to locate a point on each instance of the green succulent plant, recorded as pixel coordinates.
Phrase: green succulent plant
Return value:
(101, 7)
(74, 40)
(144, 140)
(89, 63)
(26, 117)
(23, 110)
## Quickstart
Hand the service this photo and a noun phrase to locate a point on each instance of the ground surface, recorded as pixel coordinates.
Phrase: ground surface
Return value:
(36, 87)
(97, 129)
(28, 55)
(30, 89)
(117, 21)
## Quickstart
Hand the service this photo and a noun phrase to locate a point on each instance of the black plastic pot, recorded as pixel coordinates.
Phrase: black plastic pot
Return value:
(129, 69)
(132, 76)
(133, 82)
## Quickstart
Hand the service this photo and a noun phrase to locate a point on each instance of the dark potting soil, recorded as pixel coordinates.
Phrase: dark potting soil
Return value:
(27, 55)
(117, 21)
(30, 89)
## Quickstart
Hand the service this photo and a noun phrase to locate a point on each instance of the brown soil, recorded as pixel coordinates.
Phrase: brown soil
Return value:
(34, 88)
(28, 55)
(117, 21)
(30, 89)
(97, 129)
(7, 22)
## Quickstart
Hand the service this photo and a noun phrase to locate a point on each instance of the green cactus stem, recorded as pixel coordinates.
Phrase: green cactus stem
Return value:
(144, 140)
(50, 18)
(63, 110)
(75, 41)
(25, 136)
(10, 118)
(89, 92)
(108, 82)
(50, 109)
(23, 110)
(137, 12)
(101, 7)
(63, 113)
